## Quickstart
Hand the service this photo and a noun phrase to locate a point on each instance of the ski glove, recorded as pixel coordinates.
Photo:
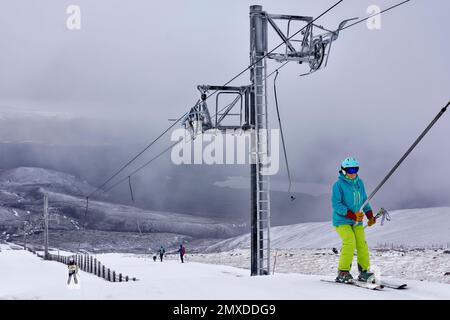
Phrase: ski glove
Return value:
(357, 216)
(371, 218)
(371, 221)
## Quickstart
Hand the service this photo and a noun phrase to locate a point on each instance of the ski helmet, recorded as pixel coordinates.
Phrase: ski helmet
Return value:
(349, 163)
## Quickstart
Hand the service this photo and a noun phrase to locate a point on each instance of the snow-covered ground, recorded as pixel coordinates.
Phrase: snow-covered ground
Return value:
(416, 264)
(410, 246)
(25, 276)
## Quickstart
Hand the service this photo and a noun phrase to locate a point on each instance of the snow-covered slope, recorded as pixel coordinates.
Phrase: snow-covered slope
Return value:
(115, 217)
(174, 280)
(411, 227)
(21, 199)
(50, 179)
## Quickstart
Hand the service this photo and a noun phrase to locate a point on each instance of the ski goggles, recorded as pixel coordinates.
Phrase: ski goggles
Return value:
(351, 170)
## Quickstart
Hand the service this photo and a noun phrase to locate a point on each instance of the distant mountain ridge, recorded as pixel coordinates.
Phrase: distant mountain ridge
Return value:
(50, 179)
(21, 199)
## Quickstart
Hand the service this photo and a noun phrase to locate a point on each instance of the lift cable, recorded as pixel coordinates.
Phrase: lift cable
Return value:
(276, 98)
(174, 144)
(163, 152)
(282, 135)
(180, 118)
(276, 47)
(143, 166)
(411, 148)
(235, 77)
(138, 155)
(376, 14)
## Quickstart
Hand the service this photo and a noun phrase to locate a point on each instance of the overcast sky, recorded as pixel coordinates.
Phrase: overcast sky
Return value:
(134, 64)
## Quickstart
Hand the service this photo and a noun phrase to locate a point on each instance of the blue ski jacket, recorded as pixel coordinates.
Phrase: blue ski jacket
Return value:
(348, 194)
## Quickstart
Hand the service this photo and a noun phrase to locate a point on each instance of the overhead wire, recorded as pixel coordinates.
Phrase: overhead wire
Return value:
(138, 155)
(180, 118)
(275, 88)
(279, 45)
(176, 142)
(282, 135)
(375, 14)
(228, 82)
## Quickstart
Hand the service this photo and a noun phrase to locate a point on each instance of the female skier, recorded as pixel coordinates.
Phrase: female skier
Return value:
(348, 196)
(73, 270)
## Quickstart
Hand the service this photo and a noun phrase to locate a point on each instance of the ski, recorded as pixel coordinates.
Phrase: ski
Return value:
(361, 284)
(394, 285)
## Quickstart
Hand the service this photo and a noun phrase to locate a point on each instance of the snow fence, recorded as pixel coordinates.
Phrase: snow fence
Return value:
(88, 264)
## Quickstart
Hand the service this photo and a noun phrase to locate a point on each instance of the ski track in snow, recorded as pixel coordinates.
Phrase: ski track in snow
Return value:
(173, 280)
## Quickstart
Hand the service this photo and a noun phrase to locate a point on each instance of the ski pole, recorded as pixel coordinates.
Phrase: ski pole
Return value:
(405, 155)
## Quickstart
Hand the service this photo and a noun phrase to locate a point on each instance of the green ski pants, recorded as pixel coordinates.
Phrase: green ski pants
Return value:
(353, 238)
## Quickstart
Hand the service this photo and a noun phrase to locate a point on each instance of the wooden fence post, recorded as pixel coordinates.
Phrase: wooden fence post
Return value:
(90, 264)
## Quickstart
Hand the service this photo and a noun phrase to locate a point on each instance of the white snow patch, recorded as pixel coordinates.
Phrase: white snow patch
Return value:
(174, 280)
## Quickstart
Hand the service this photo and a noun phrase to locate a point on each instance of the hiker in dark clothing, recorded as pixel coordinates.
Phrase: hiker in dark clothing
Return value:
(161, 253)
(182, 251)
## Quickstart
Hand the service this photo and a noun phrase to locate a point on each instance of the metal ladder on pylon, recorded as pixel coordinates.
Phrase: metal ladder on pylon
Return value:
(262, 181)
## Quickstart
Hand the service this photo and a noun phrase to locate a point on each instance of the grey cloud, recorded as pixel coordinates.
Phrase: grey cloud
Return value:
(133, 65)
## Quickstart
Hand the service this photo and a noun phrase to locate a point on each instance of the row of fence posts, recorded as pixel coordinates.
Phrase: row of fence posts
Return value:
(88, 264)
